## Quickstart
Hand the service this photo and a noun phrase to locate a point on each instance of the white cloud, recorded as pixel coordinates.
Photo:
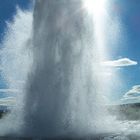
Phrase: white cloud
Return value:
(9, 90)
(133, 93)
(8, 101)
(122, 62)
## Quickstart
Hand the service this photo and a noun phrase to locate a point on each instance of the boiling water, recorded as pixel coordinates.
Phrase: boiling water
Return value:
(55, 55)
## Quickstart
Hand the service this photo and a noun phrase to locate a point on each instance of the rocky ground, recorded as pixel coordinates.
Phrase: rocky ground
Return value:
(126, 111)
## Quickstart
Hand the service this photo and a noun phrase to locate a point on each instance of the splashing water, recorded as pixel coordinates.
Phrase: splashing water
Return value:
(54, 67)
(15, 64)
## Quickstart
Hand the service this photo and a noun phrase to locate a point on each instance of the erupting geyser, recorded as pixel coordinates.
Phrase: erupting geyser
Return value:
(63, 87)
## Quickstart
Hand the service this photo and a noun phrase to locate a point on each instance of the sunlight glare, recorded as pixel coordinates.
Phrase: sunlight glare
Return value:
(95, 7)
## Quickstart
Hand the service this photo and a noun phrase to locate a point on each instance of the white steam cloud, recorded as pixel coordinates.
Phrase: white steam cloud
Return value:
(15, 64)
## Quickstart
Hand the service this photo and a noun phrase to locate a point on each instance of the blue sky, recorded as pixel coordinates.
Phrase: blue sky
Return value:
(128, 12)
(126, 49)
(8, 9)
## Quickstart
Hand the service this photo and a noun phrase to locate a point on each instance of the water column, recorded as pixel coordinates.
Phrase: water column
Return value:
(63, 89)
